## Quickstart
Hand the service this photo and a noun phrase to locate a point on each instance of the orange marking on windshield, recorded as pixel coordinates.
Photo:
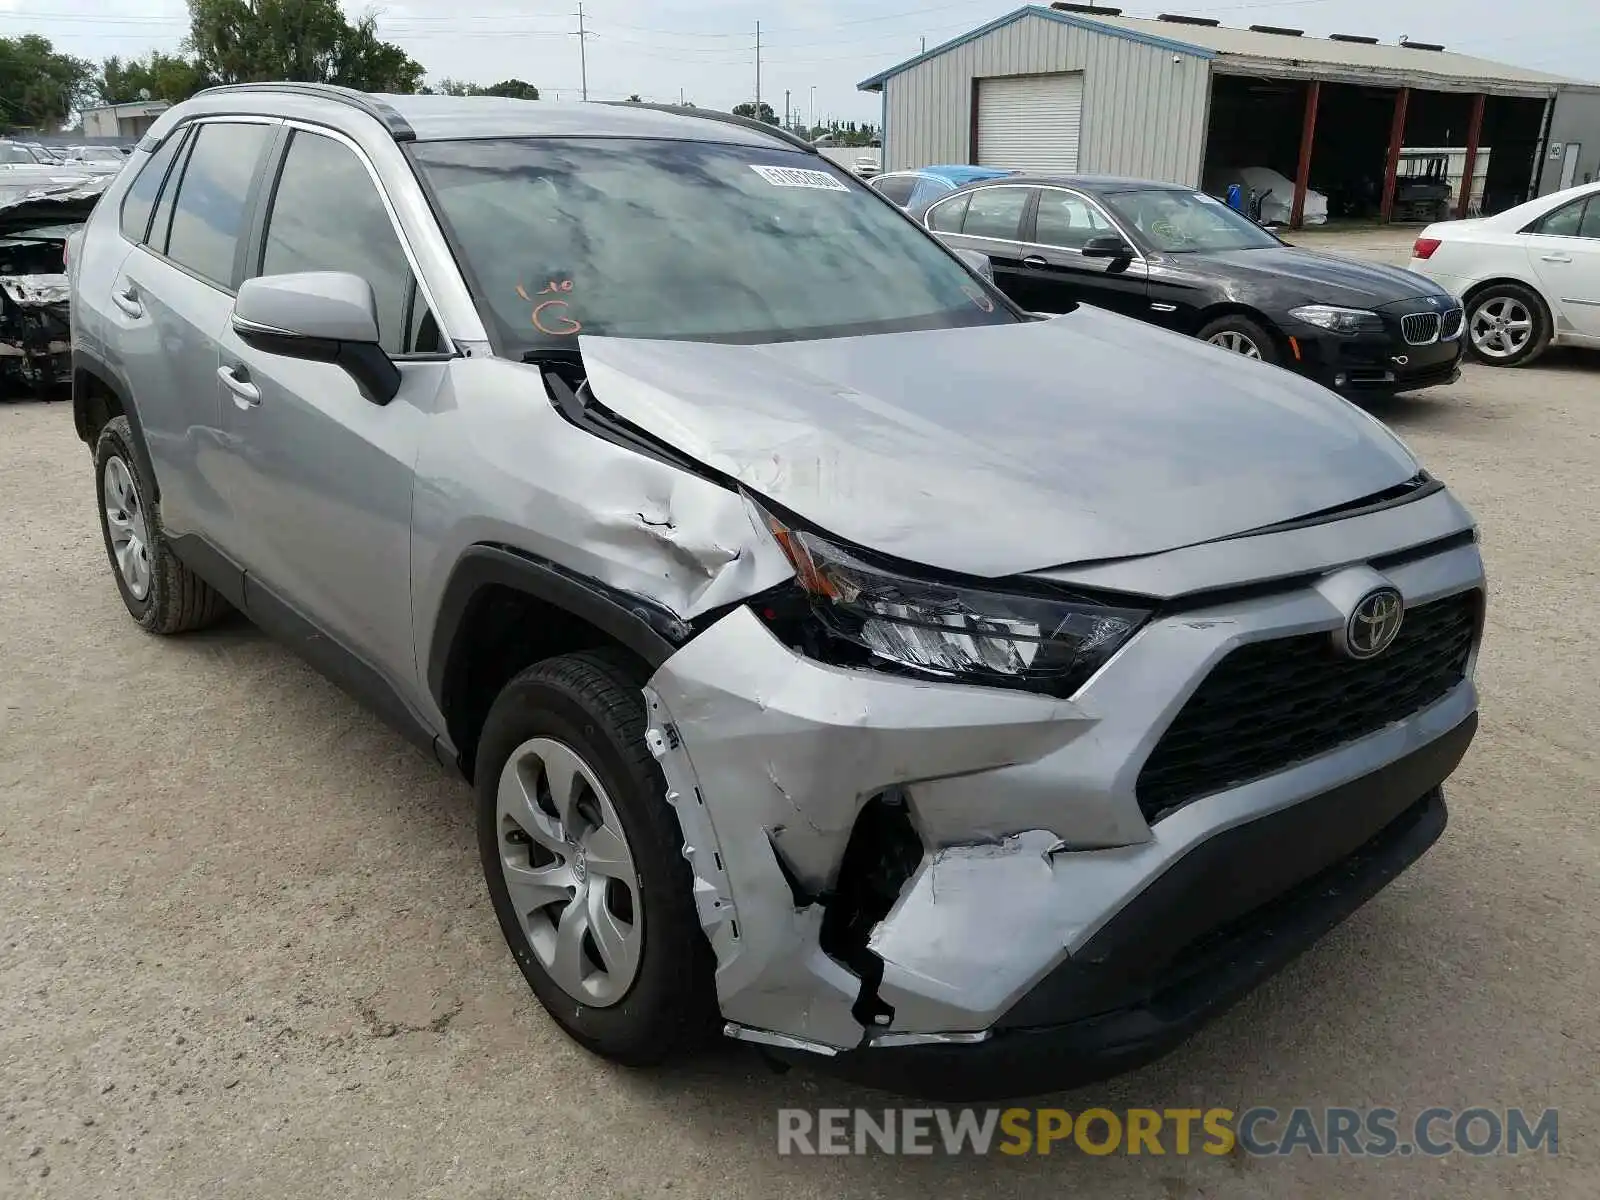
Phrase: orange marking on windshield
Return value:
(550, 316)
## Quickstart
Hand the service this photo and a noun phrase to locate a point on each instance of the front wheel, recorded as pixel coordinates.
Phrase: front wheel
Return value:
(1242, 336)
(583, 859)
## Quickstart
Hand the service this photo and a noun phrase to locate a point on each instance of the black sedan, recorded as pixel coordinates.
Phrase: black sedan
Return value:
(1179, 258)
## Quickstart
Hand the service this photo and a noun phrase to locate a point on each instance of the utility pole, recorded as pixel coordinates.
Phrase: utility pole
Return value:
(924, 45)
(813, 107)
(758, 70)
(788, 114)
(583, 53)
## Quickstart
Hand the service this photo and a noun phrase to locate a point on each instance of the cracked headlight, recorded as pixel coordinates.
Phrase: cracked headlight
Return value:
(1338, 320)
(1045, 643)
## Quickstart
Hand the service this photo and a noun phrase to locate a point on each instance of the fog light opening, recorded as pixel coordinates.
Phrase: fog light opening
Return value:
(883, 853)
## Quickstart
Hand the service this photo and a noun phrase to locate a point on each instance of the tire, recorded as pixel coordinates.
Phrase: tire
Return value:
(1231, 330)
(589, 706)
(160, 593)
(1515, 303)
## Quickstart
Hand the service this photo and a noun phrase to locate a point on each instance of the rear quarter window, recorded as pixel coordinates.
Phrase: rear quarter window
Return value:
(140, 200)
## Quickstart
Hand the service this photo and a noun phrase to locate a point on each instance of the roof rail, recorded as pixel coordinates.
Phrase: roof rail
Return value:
(1409, 45)
(1279, 29)
(1181, 19)
(399, 128)
(711, 114)
(1362, 38)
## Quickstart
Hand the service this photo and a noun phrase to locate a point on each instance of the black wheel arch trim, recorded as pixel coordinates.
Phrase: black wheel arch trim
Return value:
(647, 628)
(87, 364)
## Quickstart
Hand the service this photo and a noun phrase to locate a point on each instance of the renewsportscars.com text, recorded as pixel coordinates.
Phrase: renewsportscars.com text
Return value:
(1260, 1132)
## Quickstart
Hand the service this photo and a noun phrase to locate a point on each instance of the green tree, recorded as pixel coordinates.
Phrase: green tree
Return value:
(748, 109)
(169, 77)
(244, 41)
(40, 88)
(515, 89)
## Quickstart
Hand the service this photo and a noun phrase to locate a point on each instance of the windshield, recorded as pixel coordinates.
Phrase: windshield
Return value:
(666, 239)
(1174, 222)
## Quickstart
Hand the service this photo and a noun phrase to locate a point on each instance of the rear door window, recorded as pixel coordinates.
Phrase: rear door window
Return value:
(327, 215)
(213, 197)
(996, 213)
(140, 200)
(947, 215)
(1564, 222)
(897, 189)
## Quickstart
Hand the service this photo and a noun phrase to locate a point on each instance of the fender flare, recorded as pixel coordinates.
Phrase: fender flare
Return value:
(86, 364)
(648, 629)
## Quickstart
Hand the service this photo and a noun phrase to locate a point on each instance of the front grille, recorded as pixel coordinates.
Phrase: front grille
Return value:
(1269, 705)
(1420, 329)
(1450, 326)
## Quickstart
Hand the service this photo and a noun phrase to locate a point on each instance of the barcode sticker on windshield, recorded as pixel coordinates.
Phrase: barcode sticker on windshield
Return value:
(798, 177)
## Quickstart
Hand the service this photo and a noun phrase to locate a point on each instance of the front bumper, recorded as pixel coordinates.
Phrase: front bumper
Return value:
(1128, 1002)
(1376, 364)
(1037, 861)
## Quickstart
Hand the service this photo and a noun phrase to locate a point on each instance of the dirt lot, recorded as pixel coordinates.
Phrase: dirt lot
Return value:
(244, 949)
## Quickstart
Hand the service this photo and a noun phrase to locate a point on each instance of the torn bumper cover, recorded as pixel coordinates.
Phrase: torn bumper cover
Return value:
(35, 328)
(1047, 930)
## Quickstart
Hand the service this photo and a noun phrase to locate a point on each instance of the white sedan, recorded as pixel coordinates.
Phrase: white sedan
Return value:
(1528, 277)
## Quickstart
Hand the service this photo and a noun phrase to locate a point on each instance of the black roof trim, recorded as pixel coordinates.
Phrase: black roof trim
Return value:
(399, 128)
(1278, 29)
(1180, 19)
(1422, 45)
(1362, 38)
(1094, 10)
(709, 114)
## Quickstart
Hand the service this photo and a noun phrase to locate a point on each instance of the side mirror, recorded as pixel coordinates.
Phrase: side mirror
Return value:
(978, 261)
(1107, 245)
(321, 316)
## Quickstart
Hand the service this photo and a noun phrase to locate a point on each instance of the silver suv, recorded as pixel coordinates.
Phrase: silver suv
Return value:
(846, 661)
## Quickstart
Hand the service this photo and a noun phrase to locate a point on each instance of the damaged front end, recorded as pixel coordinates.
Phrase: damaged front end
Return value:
(912, 781)
(35, 322)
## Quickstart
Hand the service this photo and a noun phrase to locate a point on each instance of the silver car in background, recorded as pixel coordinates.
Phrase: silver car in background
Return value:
(846, 661)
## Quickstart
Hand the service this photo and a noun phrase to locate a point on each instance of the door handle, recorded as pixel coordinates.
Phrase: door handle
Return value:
(127, 299)
(1035, 260)
(246, 395)
(1556, 258)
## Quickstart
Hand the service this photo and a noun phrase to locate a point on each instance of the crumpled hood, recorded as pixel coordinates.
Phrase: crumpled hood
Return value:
(998, 450)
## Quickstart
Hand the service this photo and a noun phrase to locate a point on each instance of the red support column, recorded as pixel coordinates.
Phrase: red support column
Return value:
(1391, 166)
(1474, 132)
(1308, 132)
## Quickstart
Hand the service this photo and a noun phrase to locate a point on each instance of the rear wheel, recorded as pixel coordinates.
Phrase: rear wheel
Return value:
(1507, 325)
(1241, 335)
(160, 593)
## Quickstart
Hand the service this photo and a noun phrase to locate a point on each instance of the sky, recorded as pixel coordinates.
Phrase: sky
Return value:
(704, 50)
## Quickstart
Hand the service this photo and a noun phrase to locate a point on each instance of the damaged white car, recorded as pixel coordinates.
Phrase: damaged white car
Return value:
(846, 661)
(36, 220)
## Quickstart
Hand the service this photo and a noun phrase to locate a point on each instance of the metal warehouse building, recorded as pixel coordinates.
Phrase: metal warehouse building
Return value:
(1074, 88)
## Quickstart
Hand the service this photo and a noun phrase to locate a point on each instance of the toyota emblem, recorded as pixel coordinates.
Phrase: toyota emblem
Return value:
(1373, 625)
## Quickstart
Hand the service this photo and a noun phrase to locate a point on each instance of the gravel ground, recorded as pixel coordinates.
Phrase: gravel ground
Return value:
(245, 951)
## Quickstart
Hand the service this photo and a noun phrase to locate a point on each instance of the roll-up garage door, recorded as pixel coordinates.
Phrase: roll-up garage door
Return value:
(1030, 122)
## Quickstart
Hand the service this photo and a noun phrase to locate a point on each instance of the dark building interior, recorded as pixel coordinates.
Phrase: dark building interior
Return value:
(1257, 122)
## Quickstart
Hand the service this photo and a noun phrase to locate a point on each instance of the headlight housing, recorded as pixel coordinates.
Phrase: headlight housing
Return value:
(1336, 319)
(866, 615)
